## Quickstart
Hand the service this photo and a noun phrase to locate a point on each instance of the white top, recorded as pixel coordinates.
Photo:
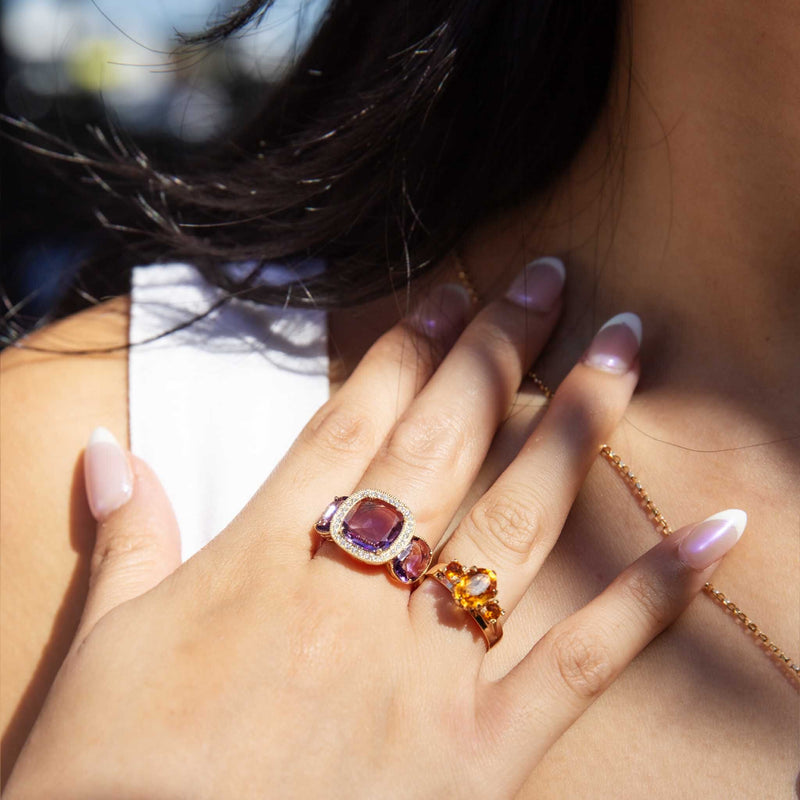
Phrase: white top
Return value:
(214, 407)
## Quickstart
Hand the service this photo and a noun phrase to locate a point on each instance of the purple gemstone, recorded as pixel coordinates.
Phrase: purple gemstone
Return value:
(324, 523)
(372, 524)
(412, 563)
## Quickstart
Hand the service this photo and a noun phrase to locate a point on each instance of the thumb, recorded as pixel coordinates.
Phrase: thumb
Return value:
(137, 543)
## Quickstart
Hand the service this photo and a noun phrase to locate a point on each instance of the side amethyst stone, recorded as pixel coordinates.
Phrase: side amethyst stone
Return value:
(413, 562)
(372, 524)
(324, 523)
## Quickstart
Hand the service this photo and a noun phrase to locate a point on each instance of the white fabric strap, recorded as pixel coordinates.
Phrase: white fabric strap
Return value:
(214, 407)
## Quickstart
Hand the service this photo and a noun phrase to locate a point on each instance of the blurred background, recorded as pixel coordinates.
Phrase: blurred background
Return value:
(70, 64)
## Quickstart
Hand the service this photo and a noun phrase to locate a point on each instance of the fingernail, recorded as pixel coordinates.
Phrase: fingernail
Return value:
(616, 345)
(539, 285)
(109, 481)
(708, 541)
(445, 310)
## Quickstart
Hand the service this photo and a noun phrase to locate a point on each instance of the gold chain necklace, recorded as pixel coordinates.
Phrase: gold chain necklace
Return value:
(788, 666)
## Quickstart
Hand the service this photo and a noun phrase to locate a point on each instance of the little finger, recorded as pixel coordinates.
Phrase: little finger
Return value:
(581, 656)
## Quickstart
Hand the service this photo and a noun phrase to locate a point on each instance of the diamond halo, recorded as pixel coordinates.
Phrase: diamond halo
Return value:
(399, 544)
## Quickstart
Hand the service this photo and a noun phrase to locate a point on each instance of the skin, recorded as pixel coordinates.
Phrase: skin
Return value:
(170, 661)
(697, 231)
(724, 265)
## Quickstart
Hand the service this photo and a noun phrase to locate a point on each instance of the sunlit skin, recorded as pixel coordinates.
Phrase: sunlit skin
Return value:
(701, 240)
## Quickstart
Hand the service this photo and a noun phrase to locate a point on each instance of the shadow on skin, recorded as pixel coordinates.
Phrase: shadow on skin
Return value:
(62, 632)
(451, 616)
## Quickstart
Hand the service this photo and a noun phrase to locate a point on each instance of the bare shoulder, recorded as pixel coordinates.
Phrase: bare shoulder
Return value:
(55, 388)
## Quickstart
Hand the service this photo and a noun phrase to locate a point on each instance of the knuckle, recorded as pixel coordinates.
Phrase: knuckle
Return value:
(583, 662)
(117, 551)
(317, 645)
(588, 416)
(407, 348)
(510, 523)
(650, 598)
(425, 444)
(341, 430)
(500, 340)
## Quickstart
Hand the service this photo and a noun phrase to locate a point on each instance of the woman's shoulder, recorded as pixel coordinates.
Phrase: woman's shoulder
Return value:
(55, 387)
(72, 369)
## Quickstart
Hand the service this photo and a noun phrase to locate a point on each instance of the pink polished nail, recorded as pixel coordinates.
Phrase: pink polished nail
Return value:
(109, 480)
(444, 311)
(616, 345)
(539, 285)
(708, 541)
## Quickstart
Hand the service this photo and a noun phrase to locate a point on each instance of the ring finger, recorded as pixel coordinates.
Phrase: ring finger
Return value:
(433, 453)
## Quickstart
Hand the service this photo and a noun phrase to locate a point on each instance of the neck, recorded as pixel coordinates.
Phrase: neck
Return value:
(683, 205)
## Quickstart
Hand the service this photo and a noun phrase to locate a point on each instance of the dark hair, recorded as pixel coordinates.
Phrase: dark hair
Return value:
(401, 127)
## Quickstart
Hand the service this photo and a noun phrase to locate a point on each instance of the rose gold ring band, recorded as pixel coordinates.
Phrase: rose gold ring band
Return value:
(474, 591)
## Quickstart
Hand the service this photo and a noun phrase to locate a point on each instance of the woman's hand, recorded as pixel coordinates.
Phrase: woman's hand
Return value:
(274, 664)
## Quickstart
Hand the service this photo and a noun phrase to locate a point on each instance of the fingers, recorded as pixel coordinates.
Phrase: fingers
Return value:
(432, 455)
(137, 543)
(581, 656)
(515, 524)
(336, 446)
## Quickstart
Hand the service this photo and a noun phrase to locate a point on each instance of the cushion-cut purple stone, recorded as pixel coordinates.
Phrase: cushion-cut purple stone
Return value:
(411, 564)
(372, 524)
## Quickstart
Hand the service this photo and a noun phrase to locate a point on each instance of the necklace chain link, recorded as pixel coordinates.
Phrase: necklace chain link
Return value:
(774, 651)
(789, 666)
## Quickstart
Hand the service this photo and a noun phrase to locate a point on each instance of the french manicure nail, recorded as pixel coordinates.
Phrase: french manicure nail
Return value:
(708, 541)
(539, 285)
(443, 311)
(616, 345)
(109, 480)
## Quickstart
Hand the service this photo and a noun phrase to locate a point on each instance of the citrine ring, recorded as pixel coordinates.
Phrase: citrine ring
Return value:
(377, 528)
(475, 591)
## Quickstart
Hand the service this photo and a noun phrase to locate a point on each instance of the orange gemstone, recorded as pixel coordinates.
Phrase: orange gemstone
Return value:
(476, 589)
(453, 572)
(492, 611)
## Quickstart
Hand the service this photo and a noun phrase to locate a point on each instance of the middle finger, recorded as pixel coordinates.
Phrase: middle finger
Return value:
(434, 452)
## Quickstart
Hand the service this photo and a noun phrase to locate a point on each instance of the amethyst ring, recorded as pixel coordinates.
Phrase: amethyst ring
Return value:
(377, 528)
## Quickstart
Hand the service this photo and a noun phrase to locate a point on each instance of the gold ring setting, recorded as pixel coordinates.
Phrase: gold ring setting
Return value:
(377, 528)
(474, 590)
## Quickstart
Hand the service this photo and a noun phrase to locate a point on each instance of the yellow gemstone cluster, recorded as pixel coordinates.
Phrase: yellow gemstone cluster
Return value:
(474, 589)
